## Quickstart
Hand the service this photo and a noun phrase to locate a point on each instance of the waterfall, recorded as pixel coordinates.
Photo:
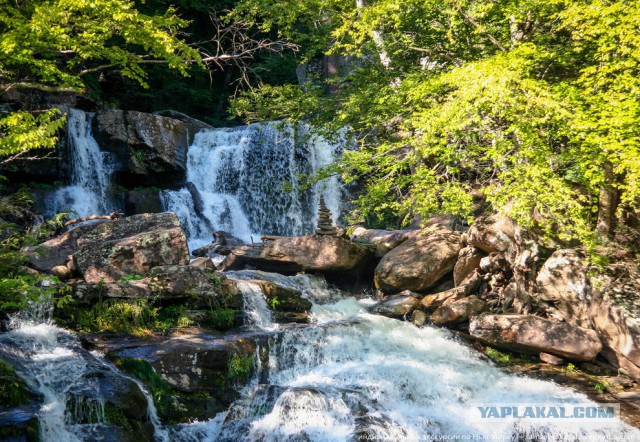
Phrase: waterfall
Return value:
(53, 364)
(89, 192)
(255, 305)
(357, 376)
(247, 181)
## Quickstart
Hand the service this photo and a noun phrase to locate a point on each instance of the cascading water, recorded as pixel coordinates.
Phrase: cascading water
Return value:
(246, 181)
(70, 380)
(91, 170)
(357, 376)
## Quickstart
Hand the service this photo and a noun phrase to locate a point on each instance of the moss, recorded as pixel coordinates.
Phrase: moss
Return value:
(115, 416)
(239, 368)
(13, 391)
(505, 358)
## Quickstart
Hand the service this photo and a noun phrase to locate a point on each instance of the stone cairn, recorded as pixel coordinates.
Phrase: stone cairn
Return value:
(325, 225)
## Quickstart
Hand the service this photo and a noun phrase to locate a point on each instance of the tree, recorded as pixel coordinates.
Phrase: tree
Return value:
(534, 103)
(56, 45)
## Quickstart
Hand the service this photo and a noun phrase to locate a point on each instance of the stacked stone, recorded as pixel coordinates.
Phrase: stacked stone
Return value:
(325, 225)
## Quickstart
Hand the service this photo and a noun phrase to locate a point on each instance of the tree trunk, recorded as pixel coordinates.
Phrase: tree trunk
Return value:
(607, 204)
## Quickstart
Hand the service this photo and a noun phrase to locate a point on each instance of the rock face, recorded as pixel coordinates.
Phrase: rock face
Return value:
(458, 311)
(418, 263)
(131, 246)
(317, 253)
(145, 144)
(531, 334)
(493, 233)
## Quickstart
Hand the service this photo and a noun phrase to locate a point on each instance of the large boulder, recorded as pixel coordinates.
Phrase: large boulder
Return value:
(619, 334)
(493, 233)
(563, 282)
(131, 246)
(531, 334)
(314, 253)
(455, 312)
(145, 144)
(56, 251)
(418, 263)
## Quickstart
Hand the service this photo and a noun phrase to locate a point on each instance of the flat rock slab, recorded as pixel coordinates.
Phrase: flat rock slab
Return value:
(531, 334)
(313, 253)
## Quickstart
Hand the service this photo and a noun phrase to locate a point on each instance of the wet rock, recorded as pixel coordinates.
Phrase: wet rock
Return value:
(288, 305)
(563, 283)
(455, 312)
(531, 334)
(19, 423)
(197, 363)
(397, 306)
(223, 244)
(419, 318)
(493, 233)
(468, 260)
(418, 263)
(316, 253)
(120, 395)
(131, 246)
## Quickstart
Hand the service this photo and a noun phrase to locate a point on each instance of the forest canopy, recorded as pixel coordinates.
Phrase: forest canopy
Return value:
(533, 104)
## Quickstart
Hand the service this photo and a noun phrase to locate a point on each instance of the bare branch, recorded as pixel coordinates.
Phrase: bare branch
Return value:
(111, 216)
(40, 87)
(20, 156)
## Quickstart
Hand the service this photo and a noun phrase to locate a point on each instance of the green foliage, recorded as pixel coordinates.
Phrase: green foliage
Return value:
(222, 318)
(602, 386)
(570, 367)
(239, 368)
(131, 278)
(13, 391)
(137, 317)
(55, 45)
(524, 102)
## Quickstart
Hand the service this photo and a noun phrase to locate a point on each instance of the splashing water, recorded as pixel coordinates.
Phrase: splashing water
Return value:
(357, 376)
(91, 171)
(53, 364)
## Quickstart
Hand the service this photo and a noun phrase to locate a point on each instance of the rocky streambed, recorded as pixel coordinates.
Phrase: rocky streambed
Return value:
(257, 355)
